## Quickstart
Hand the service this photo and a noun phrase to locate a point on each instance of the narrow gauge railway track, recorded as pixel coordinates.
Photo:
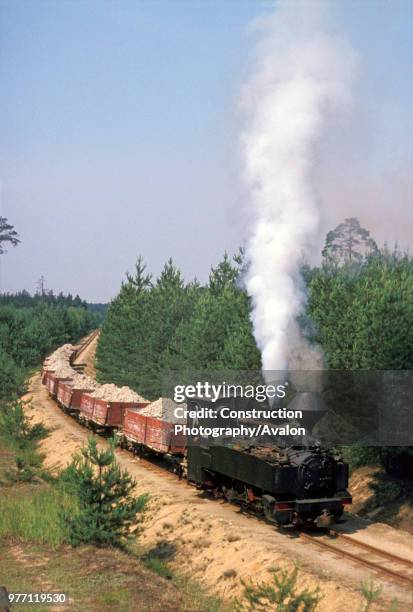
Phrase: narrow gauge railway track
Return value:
(386, 563)
(83, 346)
(158, 466)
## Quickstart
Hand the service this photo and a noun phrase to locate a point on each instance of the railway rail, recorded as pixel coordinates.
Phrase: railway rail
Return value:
(382, 561)
(83, 346)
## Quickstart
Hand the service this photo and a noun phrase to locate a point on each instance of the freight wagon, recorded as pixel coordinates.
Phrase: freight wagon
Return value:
(52, 382)
(99, 413)
(69, 396)
(141, 432)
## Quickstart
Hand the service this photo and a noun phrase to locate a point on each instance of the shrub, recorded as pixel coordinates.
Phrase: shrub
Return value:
(281, 596)
(371, 594)
(106, 507)
(16, 428)
(12, 377)
(22, 438)
(158, 566)
(358, 456)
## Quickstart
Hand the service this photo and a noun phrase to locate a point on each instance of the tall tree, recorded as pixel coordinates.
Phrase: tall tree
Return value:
(7, 234)
(225, 274)
(41, 286)
(365, 320)
(139, 280)
(348, 243)
(219, 334)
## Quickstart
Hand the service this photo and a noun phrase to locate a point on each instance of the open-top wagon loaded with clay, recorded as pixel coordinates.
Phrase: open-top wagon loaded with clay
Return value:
(105, 406)
(70, 392)
(152, 428)
(57, 367)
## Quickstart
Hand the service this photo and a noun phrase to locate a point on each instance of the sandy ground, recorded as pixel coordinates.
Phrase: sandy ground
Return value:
(216, 543)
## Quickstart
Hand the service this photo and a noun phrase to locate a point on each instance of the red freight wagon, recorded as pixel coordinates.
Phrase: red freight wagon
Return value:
(161, 437)
(64, 393)
(153, 433)
(69, 396)
(134, 426)
(87, 404)
(108, 413)
(50, 377)
(52, 381)
(77, 396)
(111, 414)
(45, 375)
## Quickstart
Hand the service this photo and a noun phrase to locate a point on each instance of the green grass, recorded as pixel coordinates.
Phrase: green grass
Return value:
(30, 509)
(33, 514)
(159, 566)
(96, 579)
(195, 597)
(119, 599)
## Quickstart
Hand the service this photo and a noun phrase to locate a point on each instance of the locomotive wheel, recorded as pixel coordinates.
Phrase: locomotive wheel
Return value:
(268, 507)
(268, 512)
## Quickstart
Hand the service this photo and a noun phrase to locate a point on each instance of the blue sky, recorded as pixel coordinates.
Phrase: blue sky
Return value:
(118, 134)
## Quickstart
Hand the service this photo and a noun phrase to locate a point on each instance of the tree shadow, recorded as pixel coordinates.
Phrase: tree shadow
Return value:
(163, 550)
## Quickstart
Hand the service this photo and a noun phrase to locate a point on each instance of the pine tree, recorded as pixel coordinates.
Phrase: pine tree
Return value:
(170, 304)
(139, 280)
(365, 320)
(225, 275)
(12, 377)
(7, 234)
(348, 244)
(106, 506)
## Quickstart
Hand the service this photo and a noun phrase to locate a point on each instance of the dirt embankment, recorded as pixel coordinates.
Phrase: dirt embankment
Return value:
(213, 541)
(379, 498)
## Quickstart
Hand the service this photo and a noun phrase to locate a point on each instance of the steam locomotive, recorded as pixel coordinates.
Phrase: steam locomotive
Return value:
(290, 484)
(294, 486)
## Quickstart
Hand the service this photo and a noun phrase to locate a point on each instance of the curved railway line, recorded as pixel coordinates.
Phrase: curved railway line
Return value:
(388, 565)
(82, 347)
(381, 561)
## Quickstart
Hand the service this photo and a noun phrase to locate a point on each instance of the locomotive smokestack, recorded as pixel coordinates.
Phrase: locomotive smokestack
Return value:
(302, 72)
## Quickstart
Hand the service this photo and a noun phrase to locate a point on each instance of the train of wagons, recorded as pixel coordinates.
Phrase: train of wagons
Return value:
(289, 486)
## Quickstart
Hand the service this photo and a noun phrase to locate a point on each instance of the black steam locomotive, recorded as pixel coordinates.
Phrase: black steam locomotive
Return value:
(295, 482)
(293, 486)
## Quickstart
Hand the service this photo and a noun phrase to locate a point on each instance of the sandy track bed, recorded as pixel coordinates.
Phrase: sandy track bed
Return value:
(87, 356)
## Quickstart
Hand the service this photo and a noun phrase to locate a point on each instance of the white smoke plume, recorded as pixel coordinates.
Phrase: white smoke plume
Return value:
(302, 75)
